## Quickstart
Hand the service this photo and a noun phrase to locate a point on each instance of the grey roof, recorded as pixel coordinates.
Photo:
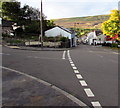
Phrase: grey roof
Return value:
(67, 30)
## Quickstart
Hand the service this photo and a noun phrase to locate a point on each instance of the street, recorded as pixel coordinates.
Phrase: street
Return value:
(89, 73)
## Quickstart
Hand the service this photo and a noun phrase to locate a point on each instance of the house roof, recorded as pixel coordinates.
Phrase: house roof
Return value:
(6, 23)
(98, 32)
(67, 30)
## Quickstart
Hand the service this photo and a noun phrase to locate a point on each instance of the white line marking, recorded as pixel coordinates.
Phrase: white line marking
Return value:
(115, 53)
(4, 54)
(74, 67)
(83, 83)
(97, 104)
(69, 57)
(63, 57)
(76, 71)
(74, 99)
(71, 62)
(79, 76)
(89, 92)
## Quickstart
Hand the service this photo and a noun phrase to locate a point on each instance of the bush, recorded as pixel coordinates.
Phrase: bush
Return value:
(64, 39)
(114, 45)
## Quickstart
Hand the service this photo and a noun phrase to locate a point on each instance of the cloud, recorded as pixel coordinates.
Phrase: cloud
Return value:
(73, 8)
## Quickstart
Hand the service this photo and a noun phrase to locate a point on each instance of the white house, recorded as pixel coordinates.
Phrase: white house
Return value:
(60, 31)
(95, 37)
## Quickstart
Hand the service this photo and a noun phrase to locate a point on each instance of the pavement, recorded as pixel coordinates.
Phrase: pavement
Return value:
(20, 90)
(37, 48)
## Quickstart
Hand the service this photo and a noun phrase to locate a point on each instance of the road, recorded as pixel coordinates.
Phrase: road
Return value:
(87, 72)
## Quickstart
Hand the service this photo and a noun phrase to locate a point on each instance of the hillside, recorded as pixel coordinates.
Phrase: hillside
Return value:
(88, 22)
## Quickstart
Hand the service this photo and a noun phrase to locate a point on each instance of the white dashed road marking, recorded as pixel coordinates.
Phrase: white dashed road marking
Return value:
(74, 67)
(71, 62)
(89, 92)
(4, 54)
(83, 83)
(76, 71)
(79, 76)
(63, 57)
(97, 104)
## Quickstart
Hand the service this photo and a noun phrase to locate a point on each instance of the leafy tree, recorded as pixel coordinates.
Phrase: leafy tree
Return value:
(27, 16)
(111, 27)
(11, 11)
(1, 1)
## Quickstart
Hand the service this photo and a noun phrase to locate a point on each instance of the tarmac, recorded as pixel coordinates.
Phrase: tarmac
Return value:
(24, 90)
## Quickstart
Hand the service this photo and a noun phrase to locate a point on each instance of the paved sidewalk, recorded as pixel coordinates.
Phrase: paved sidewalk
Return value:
(20, 90)
(37, 48)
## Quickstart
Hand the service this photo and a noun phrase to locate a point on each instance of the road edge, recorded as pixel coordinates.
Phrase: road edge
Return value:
(68, 95)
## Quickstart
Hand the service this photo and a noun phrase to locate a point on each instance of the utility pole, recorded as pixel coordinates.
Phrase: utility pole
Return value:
(41, 27)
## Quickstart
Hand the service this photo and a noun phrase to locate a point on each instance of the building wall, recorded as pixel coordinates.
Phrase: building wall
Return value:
(6, 30)
(57, 32)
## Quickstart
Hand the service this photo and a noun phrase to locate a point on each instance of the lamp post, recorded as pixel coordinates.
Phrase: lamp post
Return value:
(41, 27)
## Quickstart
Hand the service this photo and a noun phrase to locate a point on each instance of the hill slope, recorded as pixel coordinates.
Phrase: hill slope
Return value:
(82, 22)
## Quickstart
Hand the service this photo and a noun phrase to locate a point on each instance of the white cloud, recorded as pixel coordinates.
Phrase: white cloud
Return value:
(73, 8)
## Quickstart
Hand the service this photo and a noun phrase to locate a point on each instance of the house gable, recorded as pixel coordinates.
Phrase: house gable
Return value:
(58, 31)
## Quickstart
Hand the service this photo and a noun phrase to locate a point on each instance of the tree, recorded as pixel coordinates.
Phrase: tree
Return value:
(111, 27)
(11, 11)
(27, 16)
(1, 1)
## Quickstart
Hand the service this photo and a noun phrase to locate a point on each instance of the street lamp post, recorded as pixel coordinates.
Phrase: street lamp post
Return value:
(41, 27)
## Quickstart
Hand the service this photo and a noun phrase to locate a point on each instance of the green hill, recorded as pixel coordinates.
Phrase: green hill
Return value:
(82, 22)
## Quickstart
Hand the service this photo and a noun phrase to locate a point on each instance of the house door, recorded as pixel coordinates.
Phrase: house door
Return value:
(72, 42)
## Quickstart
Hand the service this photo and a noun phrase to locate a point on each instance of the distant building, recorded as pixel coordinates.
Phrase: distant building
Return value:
(60, 31)
(95, 37)
(7, 27)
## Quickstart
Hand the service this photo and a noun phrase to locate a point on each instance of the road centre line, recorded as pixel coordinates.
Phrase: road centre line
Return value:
(96, 104)
(76, 71)
(63, 56)
(89, 92)
(72, 64)
(79, 76)
(83, 83)
(70, 61)
(74, 67)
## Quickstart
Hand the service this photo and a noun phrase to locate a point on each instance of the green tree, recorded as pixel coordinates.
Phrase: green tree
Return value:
(111, 27)
(11, 11)
(1, 1)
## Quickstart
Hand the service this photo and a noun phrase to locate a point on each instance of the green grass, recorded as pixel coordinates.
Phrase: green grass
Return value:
(88, 18)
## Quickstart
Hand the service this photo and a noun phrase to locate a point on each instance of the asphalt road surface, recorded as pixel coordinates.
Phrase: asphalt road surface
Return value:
(87, 72)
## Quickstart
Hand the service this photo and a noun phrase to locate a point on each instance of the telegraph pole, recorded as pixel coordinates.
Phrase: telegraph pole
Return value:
(41, 27)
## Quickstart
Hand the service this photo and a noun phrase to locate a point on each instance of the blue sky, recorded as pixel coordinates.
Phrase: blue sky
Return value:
(55, 9)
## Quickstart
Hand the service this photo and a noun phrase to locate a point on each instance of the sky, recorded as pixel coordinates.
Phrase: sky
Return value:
(55, 9)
